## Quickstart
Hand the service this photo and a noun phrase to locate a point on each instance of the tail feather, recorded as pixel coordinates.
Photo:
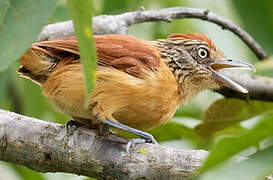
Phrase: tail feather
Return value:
(40, 60)
(37, 63)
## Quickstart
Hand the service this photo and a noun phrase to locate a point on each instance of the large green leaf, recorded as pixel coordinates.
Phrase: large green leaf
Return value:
(4, 6)
(26, 173)
(61, 12)
(4, 83)
(257, 18)
(21, 23)
(189, 110)
(226, 112)
(81, 13)
(230, 146)
(174, 130)
(253, 168)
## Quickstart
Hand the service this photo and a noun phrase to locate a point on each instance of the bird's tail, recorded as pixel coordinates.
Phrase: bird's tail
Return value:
(37, 64)
(40, 60)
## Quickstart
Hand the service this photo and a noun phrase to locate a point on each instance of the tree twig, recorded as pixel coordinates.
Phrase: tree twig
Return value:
(260, 88)
(106, 24)
(46, 147)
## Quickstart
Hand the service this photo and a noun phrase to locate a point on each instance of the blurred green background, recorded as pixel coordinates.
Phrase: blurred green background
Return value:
(24, 97)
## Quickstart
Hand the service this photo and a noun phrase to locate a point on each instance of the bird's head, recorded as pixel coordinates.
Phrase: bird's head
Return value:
(196, 62)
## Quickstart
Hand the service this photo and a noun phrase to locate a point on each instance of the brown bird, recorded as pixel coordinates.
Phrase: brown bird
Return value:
(140, 84)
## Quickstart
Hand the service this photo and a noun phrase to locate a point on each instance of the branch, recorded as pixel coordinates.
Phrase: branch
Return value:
(260, 88)
(108, 24)
(46, 147)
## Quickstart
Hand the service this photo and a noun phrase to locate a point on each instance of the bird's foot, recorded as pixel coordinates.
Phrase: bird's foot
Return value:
(104, 129)
(145, 137)
(136, 141)
(71, 123)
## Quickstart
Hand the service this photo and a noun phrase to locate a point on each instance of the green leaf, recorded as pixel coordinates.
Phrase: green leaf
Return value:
(61, 12)
(230, 146)
(21, 23)
(189, 110)
(4, 83)
(174, 130)
(226, 112)
(259, 25)
(81, 13)
(257, 166)
(4, 5)
(26, 173)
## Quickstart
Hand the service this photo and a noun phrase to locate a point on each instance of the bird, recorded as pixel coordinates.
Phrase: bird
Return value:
(140, 84)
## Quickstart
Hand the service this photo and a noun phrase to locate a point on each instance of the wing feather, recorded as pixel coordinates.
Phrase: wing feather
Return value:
(122, 52)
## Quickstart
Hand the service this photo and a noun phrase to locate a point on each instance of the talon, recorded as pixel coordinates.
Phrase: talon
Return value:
(152, 139)
(144, 136)
(133, 142)
(104, 130)
(70, 123)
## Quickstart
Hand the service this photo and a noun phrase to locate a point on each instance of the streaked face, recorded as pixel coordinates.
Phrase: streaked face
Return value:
(197, 54)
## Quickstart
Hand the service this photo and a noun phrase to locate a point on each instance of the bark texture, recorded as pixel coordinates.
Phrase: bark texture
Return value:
(46, 147)
(259, 88)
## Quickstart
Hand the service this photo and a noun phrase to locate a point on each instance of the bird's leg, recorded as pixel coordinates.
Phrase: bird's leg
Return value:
(145, 137)
(148, 137)
(104, 129)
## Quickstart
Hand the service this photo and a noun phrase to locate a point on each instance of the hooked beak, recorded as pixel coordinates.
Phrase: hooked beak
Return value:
(229, 64)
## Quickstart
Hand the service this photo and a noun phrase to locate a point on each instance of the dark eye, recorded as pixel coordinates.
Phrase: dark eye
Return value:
(202, 53)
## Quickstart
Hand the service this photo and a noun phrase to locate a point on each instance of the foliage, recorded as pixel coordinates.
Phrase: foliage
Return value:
(81, 13)
(15, 16)
(230, 146)
(226, 112)
(256, 167)
(253, 22)
(229, 126)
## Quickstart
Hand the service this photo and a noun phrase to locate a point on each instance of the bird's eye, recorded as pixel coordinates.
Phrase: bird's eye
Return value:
(203, 53)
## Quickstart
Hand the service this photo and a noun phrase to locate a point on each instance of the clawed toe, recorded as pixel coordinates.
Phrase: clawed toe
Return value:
(136, 141)
(71, 123)
(144, 136)
(149, 138)
(133, 142)
(104, 130)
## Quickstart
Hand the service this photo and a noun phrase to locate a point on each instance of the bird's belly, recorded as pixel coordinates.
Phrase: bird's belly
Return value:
(143, 115)
(74, 109)
(137, 110)
(136, 102)
(144, 118)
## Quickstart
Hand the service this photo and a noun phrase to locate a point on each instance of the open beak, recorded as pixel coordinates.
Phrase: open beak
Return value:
(229, 64)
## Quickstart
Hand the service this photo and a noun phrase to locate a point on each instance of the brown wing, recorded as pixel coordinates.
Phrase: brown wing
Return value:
(119, 51)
